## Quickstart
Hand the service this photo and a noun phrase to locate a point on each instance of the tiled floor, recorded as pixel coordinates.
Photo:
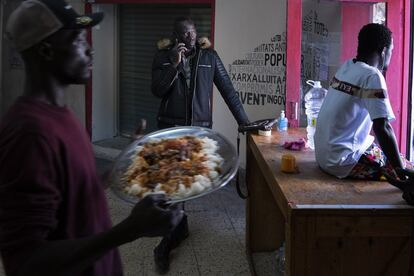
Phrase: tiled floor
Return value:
(216, 245)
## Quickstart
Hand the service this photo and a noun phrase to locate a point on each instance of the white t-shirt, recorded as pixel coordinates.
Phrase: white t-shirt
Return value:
(357, 95)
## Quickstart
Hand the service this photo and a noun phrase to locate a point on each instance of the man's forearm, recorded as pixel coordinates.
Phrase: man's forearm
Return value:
(67, 257)
(386, 138)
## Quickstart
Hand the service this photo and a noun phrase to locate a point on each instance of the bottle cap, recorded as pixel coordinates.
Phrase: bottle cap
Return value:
(282, 114)
(315, 84)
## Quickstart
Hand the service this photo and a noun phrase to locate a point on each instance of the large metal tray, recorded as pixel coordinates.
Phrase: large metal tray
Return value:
(226, 150)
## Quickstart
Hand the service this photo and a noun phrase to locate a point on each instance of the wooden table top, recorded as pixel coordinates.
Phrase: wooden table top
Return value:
(311, 188)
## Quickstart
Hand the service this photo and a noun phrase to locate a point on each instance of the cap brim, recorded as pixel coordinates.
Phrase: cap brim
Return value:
(85, 21)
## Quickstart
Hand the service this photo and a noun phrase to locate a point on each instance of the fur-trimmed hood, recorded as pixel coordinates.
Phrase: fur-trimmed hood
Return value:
(166, 43)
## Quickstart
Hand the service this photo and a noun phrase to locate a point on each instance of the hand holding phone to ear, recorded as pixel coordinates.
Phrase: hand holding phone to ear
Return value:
(176, 53)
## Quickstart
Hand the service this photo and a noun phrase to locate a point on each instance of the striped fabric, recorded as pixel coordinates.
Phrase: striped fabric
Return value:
(357, 91)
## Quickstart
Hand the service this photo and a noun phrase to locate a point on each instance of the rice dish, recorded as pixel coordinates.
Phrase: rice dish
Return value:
(179, 167)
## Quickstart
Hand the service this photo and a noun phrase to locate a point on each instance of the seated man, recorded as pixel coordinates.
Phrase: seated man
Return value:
(357, 101)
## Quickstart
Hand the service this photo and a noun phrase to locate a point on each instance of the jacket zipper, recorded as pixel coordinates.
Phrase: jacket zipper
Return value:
(195, 86)
(186, 104)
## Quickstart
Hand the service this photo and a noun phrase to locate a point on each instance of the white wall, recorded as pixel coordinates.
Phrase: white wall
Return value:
(240, 27)
(104, 99)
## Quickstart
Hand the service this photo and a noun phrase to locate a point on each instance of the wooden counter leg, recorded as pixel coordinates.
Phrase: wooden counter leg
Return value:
(265, 230)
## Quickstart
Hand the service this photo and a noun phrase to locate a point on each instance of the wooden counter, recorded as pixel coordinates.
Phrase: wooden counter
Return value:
(331, 226)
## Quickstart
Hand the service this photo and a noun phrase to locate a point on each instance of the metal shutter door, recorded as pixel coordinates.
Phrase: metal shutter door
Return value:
(141, 26)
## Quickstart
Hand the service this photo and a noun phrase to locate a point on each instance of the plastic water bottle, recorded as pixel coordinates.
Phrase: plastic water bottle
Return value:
(282, 122)
(313, 102)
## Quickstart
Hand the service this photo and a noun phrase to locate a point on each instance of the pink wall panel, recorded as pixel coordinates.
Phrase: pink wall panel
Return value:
(354, 16)
(293, 58)
(397, 76)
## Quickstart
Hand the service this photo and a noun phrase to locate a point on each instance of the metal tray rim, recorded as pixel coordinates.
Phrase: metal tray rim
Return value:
(227, 176)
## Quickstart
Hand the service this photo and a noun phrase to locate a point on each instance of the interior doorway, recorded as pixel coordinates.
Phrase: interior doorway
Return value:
(141, 26)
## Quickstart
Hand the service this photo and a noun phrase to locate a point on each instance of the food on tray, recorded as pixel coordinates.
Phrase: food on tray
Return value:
(180, 167)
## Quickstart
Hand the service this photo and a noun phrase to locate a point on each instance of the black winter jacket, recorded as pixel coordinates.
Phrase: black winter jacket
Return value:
(182, 105)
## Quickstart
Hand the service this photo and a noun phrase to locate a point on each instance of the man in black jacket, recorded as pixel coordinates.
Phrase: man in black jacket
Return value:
(183, 72)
